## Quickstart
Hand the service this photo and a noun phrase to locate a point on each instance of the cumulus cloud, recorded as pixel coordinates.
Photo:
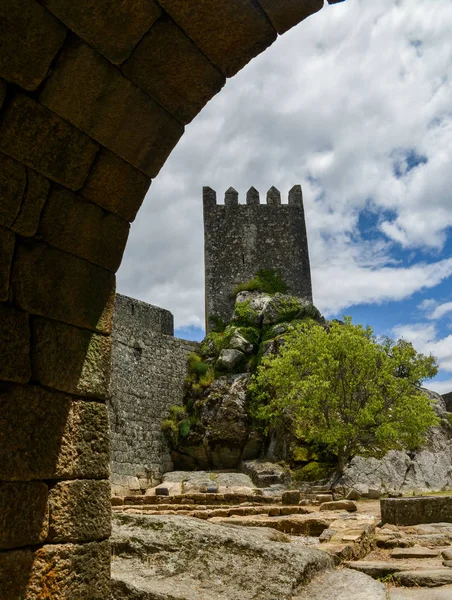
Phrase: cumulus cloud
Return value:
(354, 104)
(424, 337)
(434, 310)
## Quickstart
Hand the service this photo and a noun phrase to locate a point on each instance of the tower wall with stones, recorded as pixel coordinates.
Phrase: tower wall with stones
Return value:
(240, 239)
(149, 366)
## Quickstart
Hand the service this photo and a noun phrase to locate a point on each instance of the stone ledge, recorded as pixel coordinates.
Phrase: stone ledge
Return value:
(413, 511)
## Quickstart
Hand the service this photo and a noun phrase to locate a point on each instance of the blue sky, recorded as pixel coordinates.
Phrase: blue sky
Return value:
(355, 105)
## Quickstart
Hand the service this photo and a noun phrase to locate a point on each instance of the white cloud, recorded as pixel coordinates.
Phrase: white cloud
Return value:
(337, 104)
(441, 387)
(424, 337)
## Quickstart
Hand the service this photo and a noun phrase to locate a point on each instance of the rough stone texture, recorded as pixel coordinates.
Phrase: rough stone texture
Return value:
(417, 552)
(24, 514)
(134, 317)
(26, 222)
(13, 180)
(34, 135)
(229, 33)
(198, 482)
(376, 568)
(68, 288)
(47, 435)
(411, 511)
(229, 359)
(70, 359)
(447, 554)
(290, 497)
(94, 96)
(345, 585)
(7, 241)
(3, 87)
(443, 593)
(448, 401)
(15, 345)
(284, 14)
(224, 435)
(29, 39)
(115, 185)
(424, 577)
(57, 572)
(265, 473)
(80, 511)
(426, 469)
(241, 239)
(112, 27)
(82, 228)
(149, 367)
(347, 505)
(169, 557)
(169, 67)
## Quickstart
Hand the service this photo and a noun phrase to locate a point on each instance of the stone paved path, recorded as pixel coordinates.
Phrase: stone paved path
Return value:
(442, 593)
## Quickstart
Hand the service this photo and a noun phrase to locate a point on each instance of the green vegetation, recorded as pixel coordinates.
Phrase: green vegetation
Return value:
(178, 424)
(245, 315)
(216, 323)
(265, 280)
(341, 387)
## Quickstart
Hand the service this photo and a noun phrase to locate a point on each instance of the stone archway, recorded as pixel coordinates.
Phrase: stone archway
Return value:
(94, 95)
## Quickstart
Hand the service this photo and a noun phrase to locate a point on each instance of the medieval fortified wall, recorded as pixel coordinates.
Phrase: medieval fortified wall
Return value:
(240, 239)
(149, 366)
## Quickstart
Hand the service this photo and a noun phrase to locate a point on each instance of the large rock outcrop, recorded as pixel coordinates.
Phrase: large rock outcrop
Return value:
(181, 558)
(223, 435)
(216, 430)
(429, 468)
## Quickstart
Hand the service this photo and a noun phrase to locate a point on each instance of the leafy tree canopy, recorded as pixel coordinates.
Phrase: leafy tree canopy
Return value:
(342, 387)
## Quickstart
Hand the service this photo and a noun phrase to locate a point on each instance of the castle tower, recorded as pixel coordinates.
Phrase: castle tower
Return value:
(240, 239)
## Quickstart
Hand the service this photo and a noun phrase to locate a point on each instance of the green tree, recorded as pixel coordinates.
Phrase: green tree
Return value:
(342, 387)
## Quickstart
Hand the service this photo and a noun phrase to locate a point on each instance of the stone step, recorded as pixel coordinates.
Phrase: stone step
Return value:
(376, 568)
(441, 593)
(424, 577)
(416, 552)
(343, 584)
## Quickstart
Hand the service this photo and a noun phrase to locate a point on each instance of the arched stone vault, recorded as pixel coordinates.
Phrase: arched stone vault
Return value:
(94, 95)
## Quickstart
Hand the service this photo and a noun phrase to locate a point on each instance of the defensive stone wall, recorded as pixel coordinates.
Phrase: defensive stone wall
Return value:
(149, 366)
(240, 239)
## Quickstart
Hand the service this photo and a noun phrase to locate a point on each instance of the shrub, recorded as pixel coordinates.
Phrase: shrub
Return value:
(265, 280)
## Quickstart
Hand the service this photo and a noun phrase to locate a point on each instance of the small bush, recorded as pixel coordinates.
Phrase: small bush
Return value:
(245, 315)
(313, 471)
(216, 323)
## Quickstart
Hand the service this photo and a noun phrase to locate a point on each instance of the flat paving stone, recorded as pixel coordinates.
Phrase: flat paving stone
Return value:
(443, 593)
(376, 568)
(424, 577)
(414, 553)
(343, 584)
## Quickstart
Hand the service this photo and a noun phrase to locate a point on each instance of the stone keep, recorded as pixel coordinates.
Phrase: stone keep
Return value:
(240, 239)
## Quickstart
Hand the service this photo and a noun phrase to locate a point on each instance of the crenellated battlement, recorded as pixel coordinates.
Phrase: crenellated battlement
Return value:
(273, 197)
(241, 238)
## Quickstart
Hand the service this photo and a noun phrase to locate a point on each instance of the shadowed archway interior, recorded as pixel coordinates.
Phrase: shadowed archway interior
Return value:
(94, 95)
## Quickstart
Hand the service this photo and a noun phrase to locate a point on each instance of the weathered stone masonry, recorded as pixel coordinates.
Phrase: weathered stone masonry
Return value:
(149, 366)
(240, 239)
(93, 97)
